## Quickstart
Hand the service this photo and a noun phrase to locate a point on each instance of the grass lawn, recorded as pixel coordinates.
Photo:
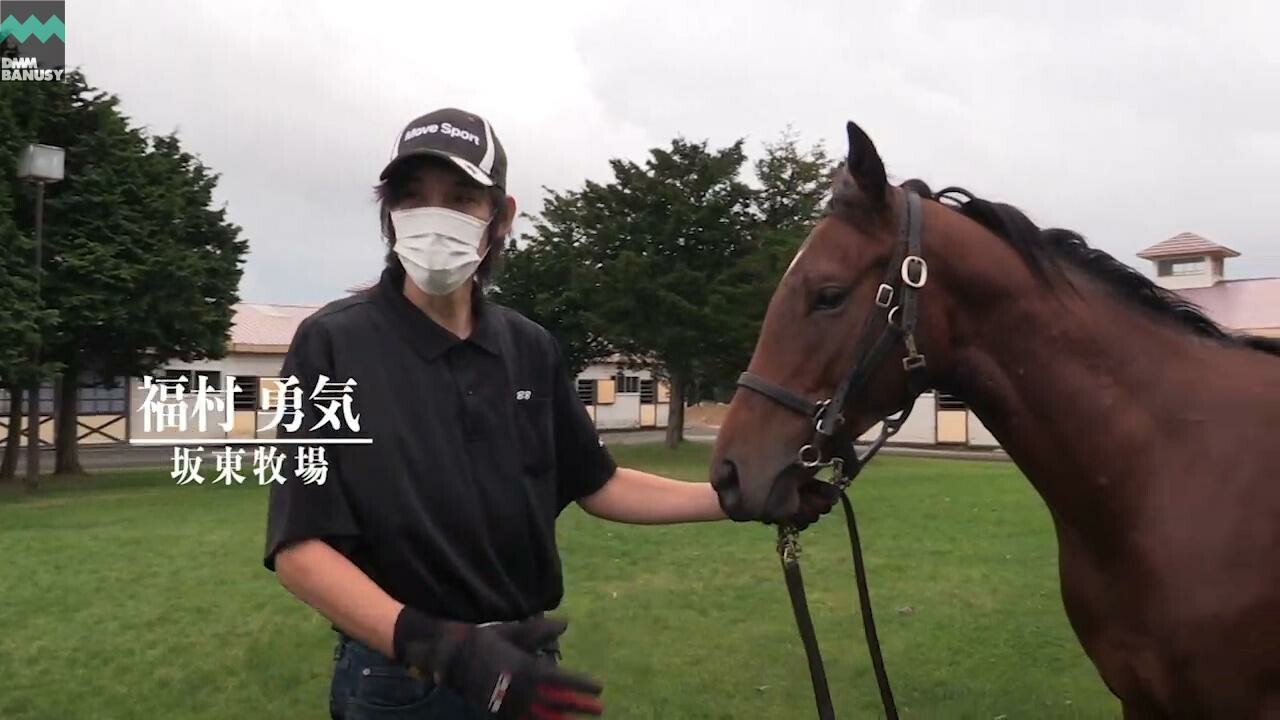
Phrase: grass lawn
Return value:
(125, 596)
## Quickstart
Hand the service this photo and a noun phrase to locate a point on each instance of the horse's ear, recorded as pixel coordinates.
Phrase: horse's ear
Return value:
(865, 166)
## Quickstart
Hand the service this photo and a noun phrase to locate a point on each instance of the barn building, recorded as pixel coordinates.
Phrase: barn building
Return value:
(615, 396)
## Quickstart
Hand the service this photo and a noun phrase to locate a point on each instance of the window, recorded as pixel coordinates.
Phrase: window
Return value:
(246, 397)
(949, 402)
(98, 399)
(648, 391)
(190, 379)
(1167, 268)
(1188, 267)
(587, 391)
(46, 400)
(4, 402)
(628, 383)
(213, 379)
(174, 377)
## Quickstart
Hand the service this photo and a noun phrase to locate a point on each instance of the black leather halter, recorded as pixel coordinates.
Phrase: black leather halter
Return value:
(907, 273)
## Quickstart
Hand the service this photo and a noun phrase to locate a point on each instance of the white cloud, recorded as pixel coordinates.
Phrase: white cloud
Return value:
(1127, 121)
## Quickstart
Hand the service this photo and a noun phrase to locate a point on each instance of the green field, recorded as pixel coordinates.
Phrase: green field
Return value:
(124, 596)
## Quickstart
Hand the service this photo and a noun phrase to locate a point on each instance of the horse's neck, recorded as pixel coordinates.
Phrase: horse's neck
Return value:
(1075, 386)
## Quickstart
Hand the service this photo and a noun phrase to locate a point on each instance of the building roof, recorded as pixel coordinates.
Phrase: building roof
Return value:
(1184, 245)
(266, 328)
(1240, 304)
(1252, 304)
(261, 327)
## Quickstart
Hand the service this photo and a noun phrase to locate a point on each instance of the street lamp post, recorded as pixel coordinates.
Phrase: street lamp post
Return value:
(40, 164)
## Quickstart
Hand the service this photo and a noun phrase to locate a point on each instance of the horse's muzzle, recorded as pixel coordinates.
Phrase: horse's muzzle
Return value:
(778, 501)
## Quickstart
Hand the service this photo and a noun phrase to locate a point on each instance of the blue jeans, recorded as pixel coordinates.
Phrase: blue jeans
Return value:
(369, 686)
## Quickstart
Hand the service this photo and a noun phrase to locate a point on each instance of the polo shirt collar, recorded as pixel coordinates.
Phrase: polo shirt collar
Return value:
(426, 336)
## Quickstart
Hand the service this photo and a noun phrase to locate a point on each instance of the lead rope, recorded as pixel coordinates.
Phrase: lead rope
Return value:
(789, 553)
(868, 620)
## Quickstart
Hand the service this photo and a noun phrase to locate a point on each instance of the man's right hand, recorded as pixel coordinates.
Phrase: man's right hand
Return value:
(493, 668)
(534, 634)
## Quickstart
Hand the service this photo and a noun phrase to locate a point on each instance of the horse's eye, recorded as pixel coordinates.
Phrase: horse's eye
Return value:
(830, 297)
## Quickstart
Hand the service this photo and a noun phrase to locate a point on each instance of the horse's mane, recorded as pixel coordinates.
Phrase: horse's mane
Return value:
(1044, 251)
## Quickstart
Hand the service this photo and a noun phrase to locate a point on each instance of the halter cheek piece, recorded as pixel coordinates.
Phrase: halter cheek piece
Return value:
(909, 272)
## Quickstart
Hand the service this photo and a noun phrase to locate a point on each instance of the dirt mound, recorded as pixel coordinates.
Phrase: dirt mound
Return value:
(705, 415)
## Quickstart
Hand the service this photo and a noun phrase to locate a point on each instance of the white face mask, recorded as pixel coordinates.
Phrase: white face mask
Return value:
(439, 248)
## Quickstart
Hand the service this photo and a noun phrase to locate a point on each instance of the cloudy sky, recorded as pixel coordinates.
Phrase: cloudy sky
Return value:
(1127, 121)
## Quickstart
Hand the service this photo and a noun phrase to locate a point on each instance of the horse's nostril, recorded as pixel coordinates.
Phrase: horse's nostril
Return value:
(725, 478)
(728, 490)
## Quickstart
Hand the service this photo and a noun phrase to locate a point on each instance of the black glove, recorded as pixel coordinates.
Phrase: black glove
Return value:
(533, 634)
(491, 669)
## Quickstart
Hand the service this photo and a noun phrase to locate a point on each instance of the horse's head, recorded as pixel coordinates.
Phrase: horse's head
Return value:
(829, 309)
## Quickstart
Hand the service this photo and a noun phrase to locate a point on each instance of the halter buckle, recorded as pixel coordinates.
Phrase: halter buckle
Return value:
(884, 296)
(893, 314)
(922, 271)
(911, 363)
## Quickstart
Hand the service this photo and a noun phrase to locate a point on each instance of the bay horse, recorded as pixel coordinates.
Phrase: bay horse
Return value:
(1150, 432)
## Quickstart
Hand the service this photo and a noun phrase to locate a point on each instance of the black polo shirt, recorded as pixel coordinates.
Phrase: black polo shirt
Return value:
(478, 444)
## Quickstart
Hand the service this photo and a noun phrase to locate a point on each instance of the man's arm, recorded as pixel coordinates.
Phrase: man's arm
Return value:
(306, 521)
(326, 580)
(640, 498)
(589, 475)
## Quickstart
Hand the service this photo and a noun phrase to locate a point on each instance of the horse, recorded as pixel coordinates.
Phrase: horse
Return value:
(1151, 433)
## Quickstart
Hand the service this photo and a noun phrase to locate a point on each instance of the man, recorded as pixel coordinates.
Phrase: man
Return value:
(432, 550)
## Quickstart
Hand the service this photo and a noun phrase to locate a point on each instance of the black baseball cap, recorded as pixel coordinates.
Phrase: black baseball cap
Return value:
(464, 138)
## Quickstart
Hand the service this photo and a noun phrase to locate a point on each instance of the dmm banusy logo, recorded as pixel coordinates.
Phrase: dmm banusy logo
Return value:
(33, 39)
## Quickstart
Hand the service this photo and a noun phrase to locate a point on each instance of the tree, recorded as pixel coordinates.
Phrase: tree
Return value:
(549, 280)
(672, 262)
(652, 243)
(794, 184)
(141, 267)
(20, 316)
